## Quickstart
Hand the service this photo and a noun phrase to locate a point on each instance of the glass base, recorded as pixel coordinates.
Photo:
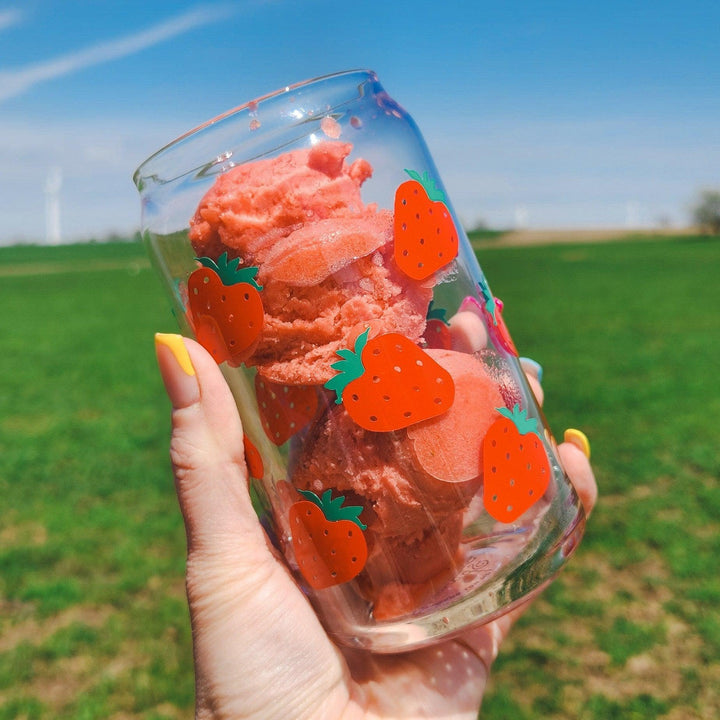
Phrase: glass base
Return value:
(496, 577)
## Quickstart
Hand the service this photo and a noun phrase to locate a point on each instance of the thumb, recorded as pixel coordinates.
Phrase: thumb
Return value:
(207, 453)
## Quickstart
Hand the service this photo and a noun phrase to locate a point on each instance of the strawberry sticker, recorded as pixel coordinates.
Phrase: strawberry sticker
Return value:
(492, 309)
(253, 458)
(424, 232)
(437, 329)
(389, 383)
(225, 308)
(284, 409)
(327, 538)
(515, 465)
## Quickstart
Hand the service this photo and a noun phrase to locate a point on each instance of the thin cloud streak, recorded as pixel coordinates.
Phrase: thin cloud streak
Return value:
(17, 82)
(10, 17)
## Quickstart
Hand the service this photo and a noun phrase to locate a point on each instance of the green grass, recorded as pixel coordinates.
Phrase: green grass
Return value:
(92, 614)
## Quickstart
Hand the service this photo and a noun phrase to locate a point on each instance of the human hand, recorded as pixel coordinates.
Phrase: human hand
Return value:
(259, 650)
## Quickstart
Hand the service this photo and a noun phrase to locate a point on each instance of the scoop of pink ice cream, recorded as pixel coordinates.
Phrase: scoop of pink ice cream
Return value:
(325, 258)
(414, 521)
(377, 471)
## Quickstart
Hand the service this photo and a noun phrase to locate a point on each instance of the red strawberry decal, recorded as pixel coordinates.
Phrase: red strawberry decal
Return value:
(284, 409)
(437, 329)
(492, 309)
(225, 308)
(516, 468)
(327, 538)
(425, 235)
(389, 383)
(253, 458)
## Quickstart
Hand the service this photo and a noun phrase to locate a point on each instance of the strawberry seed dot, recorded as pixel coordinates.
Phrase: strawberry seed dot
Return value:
(373, 418)
(376, 378)
(407, 414)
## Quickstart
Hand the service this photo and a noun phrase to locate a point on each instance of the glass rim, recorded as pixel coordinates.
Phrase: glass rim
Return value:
(141, 169)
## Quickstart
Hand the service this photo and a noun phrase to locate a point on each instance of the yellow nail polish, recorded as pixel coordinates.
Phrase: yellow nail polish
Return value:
(579, 439)
(177, 347)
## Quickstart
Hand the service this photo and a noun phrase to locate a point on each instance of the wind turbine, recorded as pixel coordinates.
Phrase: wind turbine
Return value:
(53, 183)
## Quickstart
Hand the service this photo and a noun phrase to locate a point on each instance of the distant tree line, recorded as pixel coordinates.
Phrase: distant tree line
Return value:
(706, 212)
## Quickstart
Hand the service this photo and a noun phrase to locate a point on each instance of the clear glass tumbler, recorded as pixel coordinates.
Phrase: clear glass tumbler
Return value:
(398, 457)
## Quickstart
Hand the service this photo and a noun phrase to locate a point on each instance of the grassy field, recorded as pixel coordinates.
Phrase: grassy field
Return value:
(93, 621)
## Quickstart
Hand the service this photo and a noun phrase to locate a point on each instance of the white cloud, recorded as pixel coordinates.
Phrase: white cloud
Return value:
(17, 82)
(10, 17)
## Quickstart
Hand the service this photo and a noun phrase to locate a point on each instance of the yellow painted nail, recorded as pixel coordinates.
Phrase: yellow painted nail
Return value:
(579, 439)
(177, 348)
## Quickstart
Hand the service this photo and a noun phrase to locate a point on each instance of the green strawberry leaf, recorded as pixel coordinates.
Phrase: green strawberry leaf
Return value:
(519, 418)
(489, 301)
(432, 190)
(349, 368)
(333, 509)
(436, 313)
(229, 272)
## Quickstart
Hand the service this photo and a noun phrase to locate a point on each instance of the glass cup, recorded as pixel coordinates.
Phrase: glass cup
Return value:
(398, 457)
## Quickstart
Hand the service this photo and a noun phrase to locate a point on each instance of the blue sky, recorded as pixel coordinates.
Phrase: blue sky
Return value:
(552, 114)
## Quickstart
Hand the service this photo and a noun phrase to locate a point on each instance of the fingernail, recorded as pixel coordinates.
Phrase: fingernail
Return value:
(530, 365)
(579, 439)
(182, 388)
